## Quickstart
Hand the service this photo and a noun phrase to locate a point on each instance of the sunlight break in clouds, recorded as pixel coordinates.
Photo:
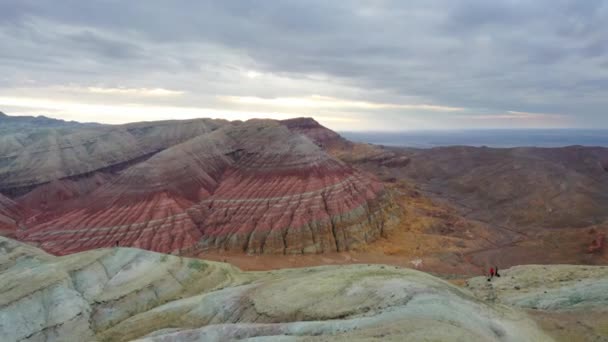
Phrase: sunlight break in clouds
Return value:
(516, 116)
(118, 114)
(252, 74)
(134, 91)
(520, 119)
(125, 113)
(318, 102)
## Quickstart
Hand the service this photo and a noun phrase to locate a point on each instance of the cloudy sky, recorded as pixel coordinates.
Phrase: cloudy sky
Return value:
(353, 65)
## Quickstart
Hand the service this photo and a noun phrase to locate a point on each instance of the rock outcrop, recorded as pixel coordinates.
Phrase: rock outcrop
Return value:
(123, 294)
(544, 287)
(598, 243)
(569, 301)
(319, 134)
(254, 187)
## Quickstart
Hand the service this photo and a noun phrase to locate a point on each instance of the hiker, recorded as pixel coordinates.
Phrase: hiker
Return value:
(491, 273)
(496, 271)
(116, 243)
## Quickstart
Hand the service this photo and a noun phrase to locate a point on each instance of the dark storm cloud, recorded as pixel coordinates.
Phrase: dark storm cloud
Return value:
(547, 56)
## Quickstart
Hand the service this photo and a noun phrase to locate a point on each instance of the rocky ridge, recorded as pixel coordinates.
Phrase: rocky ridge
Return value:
(40, 154)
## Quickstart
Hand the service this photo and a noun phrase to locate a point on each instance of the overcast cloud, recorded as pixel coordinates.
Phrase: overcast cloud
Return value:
(353, 65)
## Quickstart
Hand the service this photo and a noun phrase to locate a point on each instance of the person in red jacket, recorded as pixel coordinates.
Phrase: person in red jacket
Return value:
(491, 273)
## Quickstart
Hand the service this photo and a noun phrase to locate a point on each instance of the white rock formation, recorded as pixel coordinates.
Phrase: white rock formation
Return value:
(125, 294)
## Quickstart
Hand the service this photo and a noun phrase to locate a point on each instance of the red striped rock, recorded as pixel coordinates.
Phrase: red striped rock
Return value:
(60, 193)
(157, 223)
(255, 187)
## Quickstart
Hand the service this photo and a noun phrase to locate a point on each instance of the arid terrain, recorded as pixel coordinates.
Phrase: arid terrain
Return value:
(248, 191)
(206, 230)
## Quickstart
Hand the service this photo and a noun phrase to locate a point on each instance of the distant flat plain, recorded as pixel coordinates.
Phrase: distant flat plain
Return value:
(504, 138)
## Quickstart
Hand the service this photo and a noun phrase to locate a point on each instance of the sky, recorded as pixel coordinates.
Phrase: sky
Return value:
(353, 65)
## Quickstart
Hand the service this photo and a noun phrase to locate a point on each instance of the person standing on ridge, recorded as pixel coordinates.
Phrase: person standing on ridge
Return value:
(496, 271)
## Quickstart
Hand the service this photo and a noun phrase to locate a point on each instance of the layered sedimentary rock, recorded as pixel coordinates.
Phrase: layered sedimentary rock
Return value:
(123, 294)
(10, 214)
(61, 193)
(286, 195)
(255, 187)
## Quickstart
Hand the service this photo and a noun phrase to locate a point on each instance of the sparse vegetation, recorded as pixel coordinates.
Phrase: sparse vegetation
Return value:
(197, 265)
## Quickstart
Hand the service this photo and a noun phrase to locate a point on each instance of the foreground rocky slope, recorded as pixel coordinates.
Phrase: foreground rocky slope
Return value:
(557, 287)
(123, 294)
(571, 302)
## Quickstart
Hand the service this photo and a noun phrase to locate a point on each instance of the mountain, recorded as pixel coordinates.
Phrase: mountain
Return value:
(260, 186)
(220, 189)
(10, 124)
